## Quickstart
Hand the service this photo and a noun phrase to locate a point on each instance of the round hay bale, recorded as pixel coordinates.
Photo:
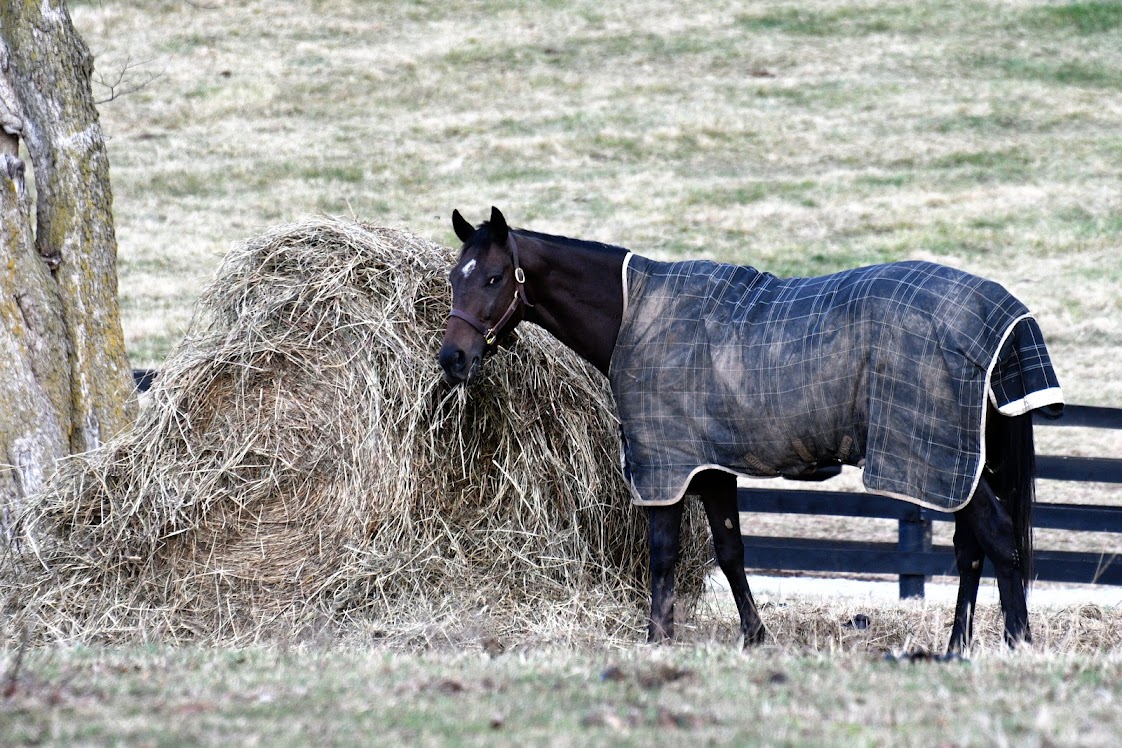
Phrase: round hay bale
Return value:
(301, 464)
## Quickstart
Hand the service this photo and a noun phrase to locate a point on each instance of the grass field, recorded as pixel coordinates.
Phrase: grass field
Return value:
(801, 138)
(696, 695)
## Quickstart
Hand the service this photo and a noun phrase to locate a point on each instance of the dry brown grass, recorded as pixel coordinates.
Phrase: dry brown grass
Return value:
(301, 465)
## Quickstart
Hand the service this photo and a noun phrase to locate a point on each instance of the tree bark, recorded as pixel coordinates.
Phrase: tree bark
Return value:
(65, 383)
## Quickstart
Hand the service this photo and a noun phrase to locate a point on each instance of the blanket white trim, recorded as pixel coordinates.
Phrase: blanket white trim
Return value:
(626, 261)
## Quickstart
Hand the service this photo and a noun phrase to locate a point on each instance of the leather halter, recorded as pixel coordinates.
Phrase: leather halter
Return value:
(491, 335)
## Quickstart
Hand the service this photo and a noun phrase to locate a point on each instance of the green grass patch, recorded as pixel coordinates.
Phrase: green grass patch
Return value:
(1083, 18)
(753, 192)
(822, 95)
(587, 52)
(839, 22)
(880, 182)
(478, 54)
(834, 258)
(154, 264)
(990, 122)
(791, 260)
(975, 240)
(1077, 73)
(340, 173)
(184, 44)
(151, 351)
(1088, 225)
(187, 184)
(1005, 165)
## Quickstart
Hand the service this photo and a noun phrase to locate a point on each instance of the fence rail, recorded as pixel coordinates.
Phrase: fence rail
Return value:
(913, 557)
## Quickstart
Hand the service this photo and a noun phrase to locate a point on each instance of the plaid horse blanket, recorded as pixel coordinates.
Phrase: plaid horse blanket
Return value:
(888, 366)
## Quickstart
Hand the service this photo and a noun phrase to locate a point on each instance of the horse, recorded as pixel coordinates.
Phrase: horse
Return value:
(696, 413)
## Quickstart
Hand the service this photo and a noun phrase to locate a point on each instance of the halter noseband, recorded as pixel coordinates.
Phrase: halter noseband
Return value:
(517, 304)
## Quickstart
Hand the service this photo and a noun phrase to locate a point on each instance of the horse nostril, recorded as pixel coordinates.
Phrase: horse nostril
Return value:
(453, 361)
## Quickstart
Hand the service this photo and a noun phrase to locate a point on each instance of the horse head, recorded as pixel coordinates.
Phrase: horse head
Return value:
(488, 296)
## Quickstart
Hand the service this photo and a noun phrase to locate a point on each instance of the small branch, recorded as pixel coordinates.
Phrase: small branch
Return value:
(124, 84)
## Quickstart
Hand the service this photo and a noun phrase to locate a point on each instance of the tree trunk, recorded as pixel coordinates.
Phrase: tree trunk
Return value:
(65, 383)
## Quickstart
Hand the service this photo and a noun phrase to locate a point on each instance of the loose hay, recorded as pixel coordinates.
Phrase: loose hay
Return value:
(302, 466)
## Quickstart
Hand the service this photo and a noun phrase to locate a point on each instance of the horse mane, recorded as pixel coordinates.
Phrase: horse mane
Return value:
(569, 243)
(483, 235)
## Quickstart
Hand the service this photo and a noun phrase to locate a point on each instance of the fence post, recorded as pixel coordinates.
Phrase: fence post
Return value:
(915, 537)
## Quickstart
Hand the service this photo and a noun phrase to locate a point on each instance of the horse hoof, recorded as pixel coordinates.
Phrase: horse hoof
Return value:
(755, 639)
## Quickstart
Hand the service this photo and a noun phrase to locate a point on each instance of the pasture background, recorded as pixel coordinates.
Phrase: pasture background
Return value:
(801, 138)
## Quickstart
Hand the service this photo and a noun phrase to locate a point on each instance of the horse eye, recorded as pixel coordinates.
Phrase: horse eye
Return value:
(494, 279)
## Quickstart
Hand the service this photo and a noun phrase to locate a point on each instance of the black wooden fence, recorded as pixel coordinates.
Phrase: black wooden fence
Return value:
(913, 557)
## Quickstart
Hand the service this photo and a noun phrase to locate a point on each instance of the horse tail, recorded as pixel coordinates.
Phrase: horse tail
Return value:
(1011, 471)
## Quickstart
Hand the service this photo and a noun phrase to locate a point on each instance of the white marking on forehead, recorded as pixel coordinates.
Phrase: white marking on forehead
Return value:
(468, 268)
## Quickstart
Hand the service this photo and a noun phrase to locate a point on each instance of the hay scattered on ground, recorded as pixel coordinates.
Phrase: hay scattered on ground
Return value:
(833, 625)
(301, 467)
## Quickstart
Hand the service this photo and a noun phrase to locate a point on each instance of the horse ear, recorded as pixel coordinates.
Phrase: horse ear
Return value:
(463, 229)
(498, 225)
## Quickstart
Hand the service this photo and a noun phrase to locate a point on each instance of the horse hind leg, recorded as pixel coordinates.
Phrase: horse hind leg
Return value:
(968, 557)
(665, 545)
(718, 495)
(994, 531)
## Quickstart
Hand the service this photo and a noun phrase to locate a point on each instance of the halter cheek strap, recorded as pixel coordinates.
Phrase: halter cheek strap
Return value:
(520, 301)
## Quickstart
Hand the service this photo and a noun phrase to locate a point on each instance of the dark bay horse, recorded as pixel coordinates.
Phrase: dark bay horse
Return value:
(603, 303)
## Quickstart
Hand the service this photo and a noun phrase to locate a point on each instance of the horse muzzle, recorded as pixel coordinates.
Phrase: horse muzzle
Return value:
(459, 367)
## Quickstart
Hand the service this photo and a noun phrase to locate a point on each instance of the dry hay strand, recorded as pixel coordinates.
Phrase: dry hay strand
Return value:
(301, 466)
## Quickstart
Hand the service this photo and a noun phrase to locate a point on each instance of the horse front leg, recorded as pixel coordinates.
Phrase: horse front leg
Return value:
(665, 544)
(718, 495)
